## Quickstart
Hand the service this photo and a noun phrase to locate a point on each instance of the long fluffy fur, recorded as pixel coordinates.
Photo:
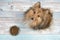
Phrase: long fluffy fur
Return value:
(40, 18)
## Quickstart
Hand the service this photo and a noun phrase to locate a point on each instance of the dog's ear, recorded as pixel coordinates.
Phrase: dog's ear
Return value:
(37, 5)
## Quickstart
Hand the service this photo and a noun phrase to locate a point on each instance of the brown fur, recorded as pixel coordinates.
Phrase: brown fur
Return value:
(40, 17)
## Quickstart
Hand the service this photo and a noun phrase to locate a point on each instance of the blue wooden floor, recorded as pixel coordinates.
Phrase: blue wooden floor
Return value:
(13, 16)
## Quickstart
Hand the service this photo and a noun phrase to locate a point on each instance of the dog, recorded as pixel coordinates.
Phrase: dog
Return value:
(39, 18)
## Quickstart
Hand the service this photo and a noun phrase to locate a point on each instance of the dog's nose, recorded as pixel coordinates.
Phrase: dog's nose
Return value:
(32, 18)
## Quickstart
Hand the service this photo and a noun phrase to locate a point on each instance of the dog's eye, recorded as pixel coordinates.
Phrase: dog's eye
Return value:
(34, 12)
(38, 15)
(32, 18)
